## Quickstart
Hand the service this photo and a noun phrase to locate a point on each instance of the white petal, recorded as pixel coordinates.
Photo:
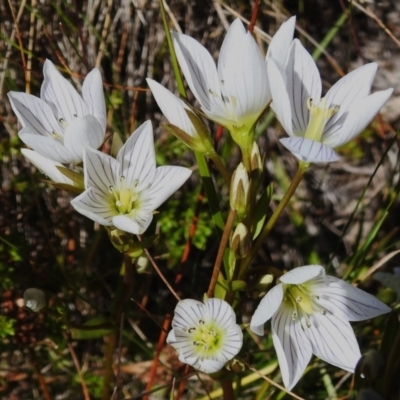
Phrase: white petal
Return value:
(93, 96)
(280, 98)
(300, 275)
(359, 116)
(233, 342)
(171, 337)
(61, 95)
(308, 150)
(348, 302)
(187, 314)
(205, 365)
(94, 205)
(172, 107)
(219, 310)
(200, 72)
(303, 82)
(101, 171)
(235, 33)
(46, 166)
(348, 90)
(291, 345)
(246, 93)
(279, 47)
(137, 157)
(332, 340)
(47, 147)
(266, 309)
(35, 114)
(83, 133)
(137, 225)
(163, 184)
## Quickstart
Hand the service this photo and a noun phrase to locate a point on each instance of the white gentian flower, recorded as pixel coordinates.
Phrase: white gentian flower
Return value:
(310, 313)
(318, 125)
(47, 166)
(124, 192)
(173, 108)
(237, 92)
(206, 336)
(60, 124)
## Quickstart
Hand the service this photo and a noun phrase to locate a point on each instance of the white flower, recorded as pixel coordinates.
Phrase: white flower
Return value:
(47, 166)
(173, 108)
(206, 336)
(316, 126)
(310, 313)
(124, 192)
(60, 124)
(235, 94)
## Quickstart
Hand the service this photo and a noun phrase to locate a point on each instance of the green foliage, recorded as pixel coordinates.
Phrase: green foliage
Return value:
(6, 327)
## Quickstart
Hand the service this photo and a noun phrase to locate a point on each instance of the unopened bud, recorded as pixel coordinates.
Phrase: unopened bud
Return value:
(255, 160)
(34, 299)
(239, 192)
(241, 241)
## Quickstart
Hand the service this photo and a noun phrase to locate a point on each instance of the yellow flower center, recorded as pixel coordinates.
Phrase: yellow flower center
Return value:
(206, 337)
(320, 114)
(303, 303)
(125, 198)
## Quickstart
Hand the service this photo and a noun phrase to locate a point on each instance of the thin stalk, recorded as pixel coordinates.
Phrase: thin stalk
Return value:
(216, 159)
(227, 389)
(274, 217)
(220, 255)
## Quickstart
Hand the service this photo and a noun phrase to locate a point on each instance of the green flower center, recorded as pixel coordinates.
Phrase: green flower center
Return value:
(303, 303)
(125, 198)
(320, 114)
(208, 338)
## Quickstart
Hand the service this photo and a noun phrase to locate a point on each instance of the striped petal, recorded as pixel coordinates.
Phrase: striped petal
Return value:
(95, 205)
(164, 183)
(299, 275)
(101, 171)
(310, 151)
(93, 96)
(303, 82)
(136, 225)
(278, 49)
(348, 302)
(200, 72)
(333, 340)
(48, 147)
(359, 116)
(35, 114)
(172, 107)
(83, 133)
(292, 346)
(266, 309)
(137, 157)
(47, 166)
(64, 100)
(349, 90)
(280, 98)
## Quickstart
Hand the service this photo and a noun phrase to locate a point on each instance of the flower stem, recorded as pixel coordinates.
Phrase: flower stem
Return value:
(274, 217)
(216, 159)
(220, 255)
(227, 390)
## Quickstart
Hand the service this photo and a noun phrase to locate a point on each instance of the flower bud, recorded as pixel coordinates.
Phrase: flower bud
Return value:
(241, 241)
(239, 192)
(34, 299)
(255, 158)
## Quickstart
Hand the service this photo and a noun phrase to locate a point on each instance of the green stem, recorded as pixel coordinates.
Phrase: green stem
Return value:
(274, 217)
(216, 159)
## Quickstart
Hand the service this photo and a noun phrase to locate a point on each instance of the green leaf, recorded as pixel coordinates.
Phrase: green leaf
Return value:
(261, 209)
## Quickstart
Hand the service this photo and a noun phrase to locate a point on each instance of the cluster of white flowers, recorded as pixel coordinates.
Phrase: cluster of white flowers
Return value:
(310, 311)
